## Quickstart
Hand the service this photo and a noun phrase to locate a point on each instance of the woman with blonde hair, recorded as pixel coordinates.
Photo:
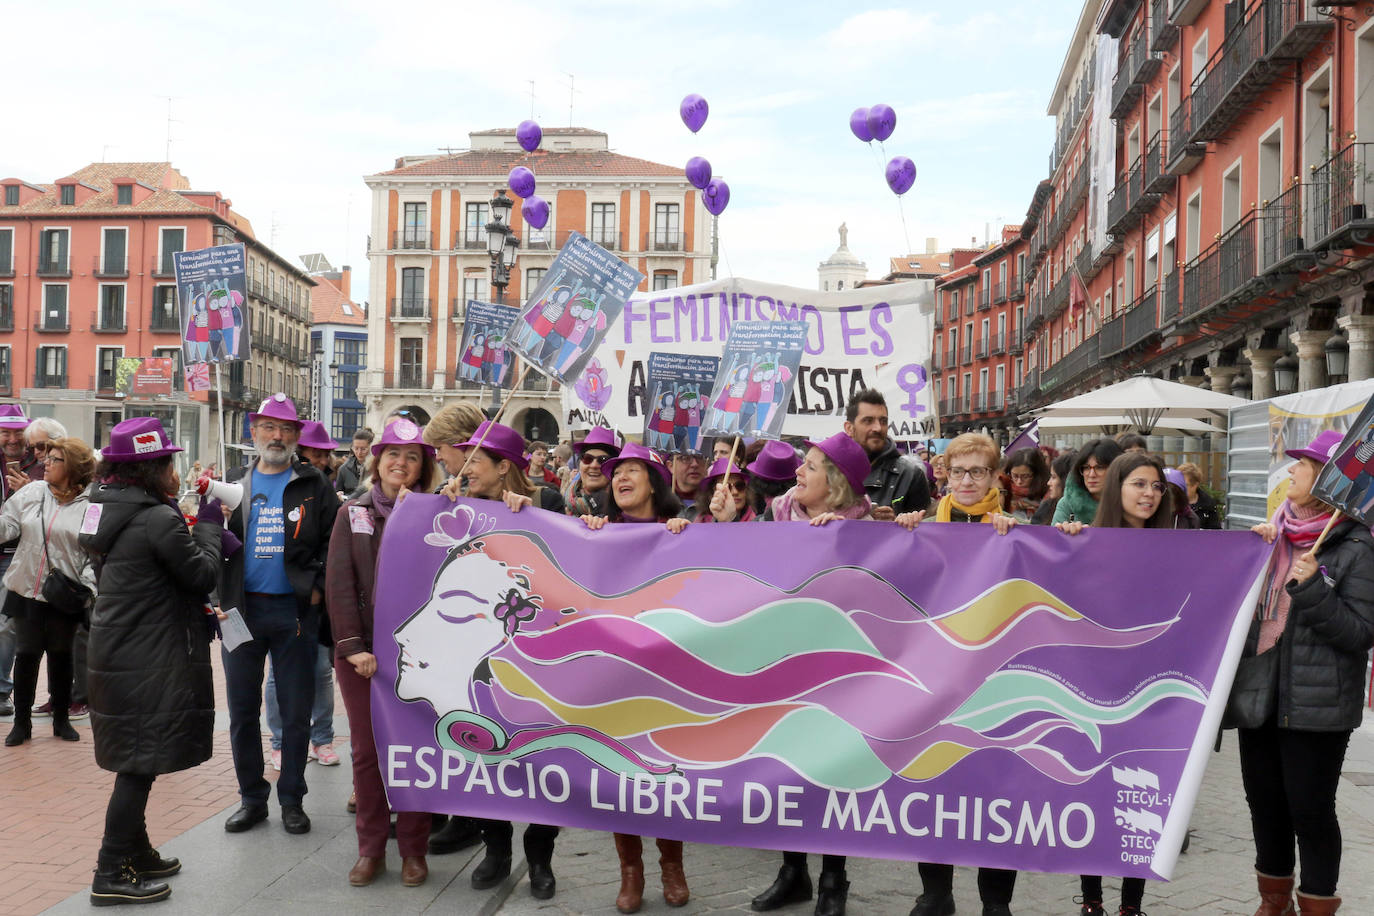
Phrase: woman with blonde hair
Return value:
(448, 430)
(46, 518)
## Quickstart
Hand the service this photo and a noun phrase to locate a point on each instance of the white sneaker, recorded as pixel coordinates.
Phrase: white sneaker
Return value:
(276, 760)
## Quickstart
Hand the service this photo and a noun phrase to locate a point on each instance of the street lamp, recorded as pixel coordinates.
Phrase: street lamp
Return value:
(1285, 375)
(1337, 355)
(501, 242)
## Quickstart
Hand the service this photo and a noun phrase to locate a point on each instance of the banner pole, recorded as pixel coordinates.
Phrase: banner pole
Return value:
(729, 460)
(1335, 517)
(219, 405)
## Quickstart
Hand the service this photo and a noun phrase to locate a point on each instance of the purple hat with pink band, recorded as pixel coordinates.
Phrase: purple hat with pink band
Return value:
(402, 432)
(277, 407)
(1321, 449)
(313, 435)
(847, 455)
(138, 439)
(501, 441)
(600, 436)
(635, 452)
(12, 417)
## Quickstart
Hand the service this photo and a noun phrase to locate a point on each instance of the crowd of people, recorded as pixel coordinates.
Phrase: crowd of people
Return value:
(124, 589)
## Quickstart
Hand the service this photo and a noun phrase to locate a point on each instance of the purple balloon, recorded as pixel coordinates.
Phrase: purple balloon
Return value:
(858, 125)
(694, 110)
(716, 196)
(698, 172)
(529, 135)
(535, 210)
(901, 174)
(882, 121)
(521, 181)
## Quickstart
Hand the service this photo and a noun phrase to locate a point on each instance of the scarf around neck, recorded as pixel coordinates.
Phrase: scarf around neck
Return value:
(787, 509)
(1298, 529)
(982, 511)
(381, 502)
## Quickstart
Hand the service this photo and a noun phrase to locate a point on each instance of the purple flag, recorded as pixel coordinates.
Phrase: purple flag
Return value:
(1034, 701)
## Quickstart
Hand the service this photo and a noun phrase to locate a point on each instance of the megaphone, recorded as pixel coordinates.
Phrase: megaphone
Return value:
(229, 494)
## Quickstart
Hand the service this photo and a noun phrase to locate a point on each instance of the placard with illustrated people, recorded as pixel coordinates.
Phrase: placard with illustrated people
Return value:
(756, 377)
(483, 356)
(1347, 479)
(569, 312)
(212, 304)
(679, 384)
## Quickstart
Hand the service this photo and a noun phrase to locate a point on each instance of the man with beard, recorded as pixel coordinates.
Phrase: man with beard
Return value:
(12, 424)
(688, 467)
(276, 582)
(896, 483)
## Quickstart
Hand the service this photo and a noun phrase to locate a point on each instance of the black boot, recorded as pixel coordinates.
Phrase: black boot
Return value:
(25, 686)
(60, 694)
(933, 904)
(793, 885)
(457, 833)
(61, 727)
(539, 855)
(831, 894)
(150, 864)
(117, 882)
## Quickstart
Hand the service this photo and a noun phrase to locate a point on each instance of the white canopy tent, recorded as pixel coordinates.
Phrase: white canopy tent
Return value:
(1146, 403)
(1111, 425)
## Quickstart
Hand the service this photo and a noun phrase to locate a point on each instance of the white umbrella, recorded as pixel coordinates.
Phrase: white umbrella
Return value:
(1110, 425)
(1145, 402)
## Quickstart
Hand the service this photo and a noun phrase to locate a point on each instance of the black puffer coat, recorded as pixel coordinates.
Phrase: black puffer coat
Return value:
(152, 695)
(1327, 637)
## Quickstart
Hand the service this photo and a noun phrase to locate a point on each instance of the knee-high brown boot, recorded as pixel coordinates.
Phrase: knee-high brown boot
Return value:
(675, 891)
(630, 848)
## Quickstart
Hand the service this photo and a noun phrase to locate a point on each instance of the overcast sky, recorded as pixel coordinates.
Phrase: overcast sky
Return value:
(284, 107)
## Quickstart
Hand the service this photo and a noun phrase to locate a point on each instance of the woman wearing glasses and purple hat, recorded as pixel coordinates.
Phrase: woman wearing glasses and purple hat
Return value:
(719, 502)
(641, 490)
(149, 617)
(1316, 614)
(401, 464)
(317, 448)
(590, 493)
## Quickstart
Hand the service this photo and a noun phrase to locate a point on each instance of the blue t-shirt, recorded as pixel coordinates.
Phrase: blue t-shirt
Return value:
(264, 566)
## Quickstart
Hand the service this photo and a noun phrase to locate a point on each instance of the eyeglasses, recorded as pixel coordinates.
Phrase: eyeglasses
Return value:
(39, 446)
(1094, 469)
(976, 473)
(594, 457)
(272, 429)
(1022, 478)
(1139, 484)
(54, 459)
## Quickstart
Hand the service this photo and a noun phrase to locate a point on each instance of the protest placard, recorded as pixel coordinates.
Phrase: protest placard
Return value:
(483, 356)
(754, 384)
(1347, 480)
(679, 384)
(211, 298)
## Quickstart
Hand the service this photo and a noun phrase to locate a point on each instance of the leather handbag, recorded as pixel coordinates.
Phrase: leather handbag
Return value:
(64, 594)
(1254, 692)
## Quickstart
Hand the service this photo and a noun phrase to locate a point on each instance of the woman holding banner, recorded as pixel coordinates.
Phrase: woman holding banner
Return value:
(641, 490)
(829, 487)
(972, 461)
(1315, 622)
(401, 463)
(1134, 494)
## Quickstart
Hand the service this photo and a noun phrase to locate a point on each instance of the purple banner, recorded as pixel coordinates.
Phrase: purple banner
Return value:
(1033, 701)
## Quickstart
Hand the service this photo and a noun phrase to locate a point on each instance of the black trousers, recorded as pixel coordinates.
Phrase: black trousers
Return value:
(828, 863)
(995, 885)
(1290, 780)
(39, 631)
(538, 838)
(126, 827)
(1132, 889)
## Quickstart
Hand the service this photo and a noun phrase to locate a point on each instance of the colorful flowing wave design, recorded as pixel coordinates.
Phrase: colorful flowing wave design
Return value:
(832, 693)
(474, 735)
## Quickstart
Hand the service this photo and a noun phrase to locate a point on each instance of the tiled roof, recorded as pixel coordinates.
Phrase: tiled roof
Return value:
(927, 265)
(544, 164)
(327, 304)
(153, 174)
(546, 131)
(160, 201)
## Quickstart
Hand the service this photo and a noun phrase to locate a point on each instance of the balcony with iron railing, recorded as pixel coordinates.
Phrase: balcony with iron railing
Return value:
(999, 293)
(1183, 154)
(982, 349)
(162, 266)
(980, 402)
(951, 357)
(1035, 313)
(1223, 273)
(1294, 28)
(1138, 67)
(1170, 305)
(412, 239)
(662, 240)
(1058, 296)
(110, 266)
(1163, 33)
(984, 299)
(108, 320)
(949, 406)
(935, 360)
(967, 356)
(970, 301)
(1281, 236)
(5, 384)
(1030, 386)
(1083, 358)
(7, 264)
(1015, 289)
(410, 309)
(43, 379)
(47, 321)
(1235, 76)
(1339, 198)
(1132, 326)
(1156, 181)
(54, 267)
(407, 377)
(1016, 341)
(472, 238)
(998, 345)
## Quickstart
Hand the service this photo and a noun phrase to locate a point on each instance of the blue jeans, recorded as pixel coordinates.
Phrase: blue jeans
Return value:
(292, 644)
(321, 717)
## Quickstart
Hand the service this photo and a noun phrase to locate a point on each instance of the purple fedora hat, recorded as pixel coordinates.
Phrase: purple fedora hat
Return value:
(401, 432)
(12, 417)
(277, 407)
(718, 469)
(1321, 449)
(849, 456)
(313, 435)
(501, 441)
(633, 451)
(138, 439)
(777, 461)
(608, 439)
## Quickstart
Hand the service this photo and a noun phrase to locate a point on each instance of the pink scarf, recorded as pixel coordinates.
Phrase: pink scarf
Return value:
(1298, 529)
(787, 509)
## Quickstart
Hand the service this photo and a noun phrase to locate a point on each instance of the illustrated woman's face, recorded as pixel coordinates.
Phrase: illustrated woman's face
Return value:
(1141, 493)
(446, 639)
(812, 488)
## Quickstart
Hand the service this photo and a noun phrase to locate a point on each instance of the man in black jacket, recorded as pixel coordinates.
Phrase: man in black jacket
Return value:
(276, 582)
(896, 483)
(349, 478)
